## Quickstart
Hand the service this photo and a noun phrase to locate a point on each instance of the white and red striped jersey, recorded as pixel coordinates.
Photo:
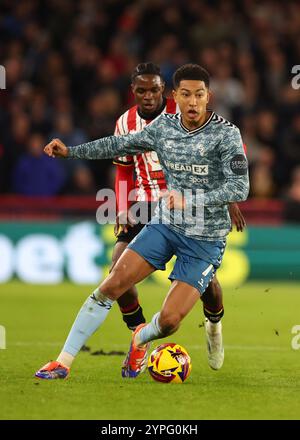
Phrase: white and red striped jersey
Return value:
(149, 175)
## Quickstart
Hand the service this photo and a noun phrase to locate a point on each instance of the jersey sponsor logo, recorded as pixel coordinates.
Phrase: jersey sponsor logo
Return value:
(198, 180)
(239, 165)
(156, 175)
(199, 170)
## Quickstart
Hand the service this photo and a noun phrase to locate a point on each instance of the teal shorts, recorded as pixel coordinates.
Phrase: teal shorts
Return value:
(197, 260)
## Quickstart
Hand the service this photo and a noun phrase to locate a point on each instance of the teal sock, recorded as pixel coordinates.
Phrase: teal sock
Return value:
(150, 332)
(90, 317)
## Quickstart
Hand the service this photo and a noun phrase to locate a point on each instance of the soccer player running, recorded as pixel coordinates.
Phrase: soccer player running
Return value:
(148, 87)
(205, 167)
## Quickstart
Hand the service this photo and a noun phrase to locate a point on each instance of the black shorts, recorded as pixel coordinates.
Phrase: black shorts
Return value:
(134, 230)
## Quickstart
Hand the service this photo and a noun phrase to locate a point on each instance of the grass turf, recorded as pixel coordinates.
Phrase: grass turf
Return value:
(260, 378)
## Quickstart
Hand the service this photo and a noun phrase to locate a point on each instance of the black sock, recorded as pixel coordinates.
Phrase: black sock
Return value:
(213, 315)
(133, 316)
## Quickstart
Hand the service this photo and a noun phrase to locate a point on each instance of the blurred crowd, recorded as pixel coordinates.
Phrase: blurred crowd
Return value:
(68, 66)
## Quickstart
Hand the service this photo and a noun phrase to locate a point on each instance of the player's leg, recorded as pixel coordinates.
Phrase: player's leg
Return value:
(186, 288)
(128, 303)
(179, 301)
(212, 299)
(129, 270)
(214, 311)
(190, 271)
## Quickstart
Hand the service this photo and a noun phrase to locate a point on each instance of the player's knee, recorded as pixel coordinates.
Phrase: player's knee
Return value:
(112, 287)
(169, 322)
(215, 283)
(213, 292)
(128, 298)
(212, 287)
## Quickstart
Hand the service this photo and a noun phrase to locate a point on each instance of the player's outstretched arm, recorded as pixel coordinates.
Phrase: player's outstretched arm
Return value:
(56, 148)
(108, 147)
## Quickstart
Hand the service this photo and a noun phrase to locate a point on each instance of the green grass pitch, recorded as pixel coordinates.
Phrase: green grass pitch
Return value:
(260, 378)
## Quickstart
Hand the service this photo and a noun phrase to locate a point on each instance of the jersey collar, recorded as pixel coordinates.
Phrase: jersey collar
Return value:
(155, 114)
(201, 126)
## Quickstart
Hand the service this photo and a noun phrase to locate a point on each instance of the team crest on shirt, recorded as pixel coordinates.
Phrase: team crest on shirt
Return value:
(169, 145)
(201, 149)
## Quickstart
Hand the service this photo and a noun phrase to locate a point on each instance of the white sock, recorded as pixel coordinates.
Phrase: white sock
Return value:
(150, 332)
(214, 327)
(90, 317)
(66, 359)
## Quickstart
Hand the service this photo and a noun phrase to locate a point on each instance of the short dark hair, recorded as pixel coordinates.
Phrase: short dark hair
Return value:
(146, 69)
(192, 72)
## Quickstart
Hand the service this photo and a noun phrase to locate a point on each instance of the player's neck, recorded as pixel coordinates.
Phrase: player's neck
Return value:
(196, 124)
(151, 116)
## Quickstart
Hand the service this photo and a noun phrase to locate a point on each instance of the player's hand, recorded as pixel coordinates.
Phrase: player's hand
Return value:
(237, 217)
(56, 148)
(124, 221)
(174, 199)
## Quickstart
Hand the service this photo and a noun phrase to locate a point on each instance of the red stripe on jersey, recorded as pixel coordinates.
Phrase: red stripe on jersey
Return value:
(131, 121)
(125, 160)
(150, 179)
(171, 106)
(124, 183)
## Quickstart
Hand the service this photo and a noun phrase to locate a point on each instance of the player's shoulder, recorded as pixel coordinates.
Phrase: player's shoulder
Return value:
(126, 119)
(167, 122)
(170, 116)
(164, 124)
(223, 124)
(131, 111)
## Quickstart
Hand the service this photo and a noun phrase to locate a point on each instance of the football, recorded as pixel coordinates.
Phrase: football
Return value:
(169, 363)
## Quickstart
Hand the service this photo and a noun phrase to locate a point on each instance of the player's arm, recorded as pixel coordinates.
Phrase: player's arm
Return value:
(107, 147)
(124, 185)
(124, 182)
(234, 211)
(234, 168)
(236, 216)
